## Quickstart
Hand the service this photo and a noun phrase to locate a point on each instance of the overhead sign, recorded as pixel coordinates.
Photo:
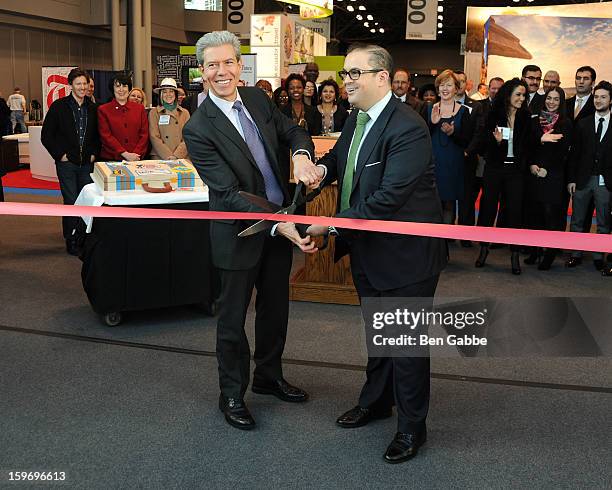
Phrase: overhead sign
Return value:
(320, 26)
(238, 16)
(313, 9)
(422, 20)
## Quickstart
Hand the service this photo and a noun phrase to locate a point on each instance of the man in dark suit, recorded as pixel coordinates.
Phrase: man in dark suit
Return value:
(581, 105)
(589, 174)
(384, 167)
(578, 107)
(466, 205)
(233, 140)
(401, 89)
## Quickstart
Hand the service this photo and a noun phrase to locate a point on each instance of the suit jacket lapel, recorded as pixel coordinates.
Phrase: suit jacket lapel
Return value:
(225, 127)
(268, 135)
(372, 138)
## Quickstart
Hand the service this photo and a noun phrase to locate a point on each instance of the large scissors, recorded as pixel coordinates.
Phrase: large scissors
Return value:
(266, 224)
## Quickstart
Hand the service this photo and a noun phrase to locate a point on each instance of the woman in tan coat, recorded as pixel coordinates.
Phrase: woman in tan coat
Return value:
(166, 122)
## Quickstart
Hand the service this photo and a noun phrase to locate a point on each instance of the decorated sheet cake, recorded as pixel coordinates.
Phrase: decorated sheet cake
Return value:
(148, 175)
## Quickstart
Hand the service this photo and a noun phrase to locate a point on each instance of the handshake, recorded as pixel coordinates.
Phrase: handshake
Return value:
(311, 175)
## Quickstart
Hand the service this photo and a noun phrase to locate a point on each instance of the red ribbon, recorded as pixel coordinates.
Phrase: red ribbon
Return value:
(534, 238)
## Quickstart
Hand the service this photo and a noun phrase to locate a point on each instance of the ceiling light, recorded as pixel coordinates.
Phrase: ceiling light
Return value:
(370, 17)
(440, 8)
(440, 17)
(361, 7)
(440, 25)
(367, 24)
(439, 32)
(373, 31)
(359, 17)
(375, 23)
(381, 30)
(350, 8)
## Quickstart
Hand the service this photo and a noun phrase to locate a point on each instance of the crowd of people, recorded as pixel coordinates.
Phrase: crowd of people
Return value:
(428, 157)
(524, 152)
(518, 152)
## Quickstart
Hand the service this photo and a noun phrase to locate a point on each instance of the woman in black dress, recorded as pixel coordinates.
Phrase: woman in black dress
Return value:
(546, 180)
(508, 136)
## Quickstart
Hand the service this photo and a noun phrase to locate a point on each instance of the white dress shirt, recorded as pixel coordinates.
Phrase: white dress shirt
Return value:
(402, 98)
(374, 112)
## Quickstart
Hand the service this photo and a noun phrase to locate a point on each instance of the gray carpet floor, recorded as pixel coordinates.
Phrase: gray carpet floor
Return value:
(126, 414)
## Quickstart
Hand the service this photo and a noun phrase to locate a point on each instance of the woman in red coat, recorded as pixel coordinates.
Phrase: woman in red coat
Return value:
(123, 125)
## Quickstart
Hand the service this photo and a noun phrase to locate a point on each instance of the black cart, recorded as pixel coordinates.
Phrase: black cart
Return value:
(139, 264)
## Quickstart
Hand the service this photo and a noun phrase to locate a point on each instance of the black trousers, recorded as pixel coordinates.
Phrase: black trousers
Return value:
(270, 277)
(502, 180)
(471, 188)
(72, 178)
(400, 381)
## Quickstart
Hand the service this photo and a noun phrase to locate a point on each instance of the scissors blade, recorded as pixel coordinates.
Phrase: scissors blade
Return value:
(260, 201)
(265, 224)
(261, 225)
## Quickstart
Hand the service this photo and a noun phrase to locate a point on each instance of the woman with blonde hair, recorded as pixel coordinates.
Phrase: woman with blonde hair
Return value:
(451, 131)
(137, 95)
(166, 122)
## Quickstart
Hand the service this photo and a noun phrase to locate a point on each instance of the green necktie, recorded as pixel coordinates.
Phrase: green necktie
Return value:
(347, 182)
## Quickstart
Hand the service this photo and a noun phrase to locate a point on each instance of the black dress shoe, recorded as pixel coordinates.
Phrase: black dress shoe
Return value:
(404, 447)
(72, 247)
(466, 244)
(549, 258)
(573, 262)
(282, 390)
(515, 263)
(236, 413)
(359, 416)
(599, 264)
(482, 257)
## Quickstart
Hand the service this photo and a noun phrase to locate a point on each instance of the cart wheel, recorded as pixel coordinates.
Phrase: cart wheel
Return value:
(112, 319)
(209, 307)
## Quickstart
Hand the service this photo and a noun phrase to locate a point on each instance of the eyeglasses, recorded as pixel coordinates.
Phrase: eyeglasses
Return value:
(355, 73)
(534, 79)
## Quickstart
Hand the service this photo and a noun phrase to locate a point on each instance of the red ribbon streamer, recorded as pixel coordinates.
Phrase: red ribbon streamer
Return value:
(534, 238)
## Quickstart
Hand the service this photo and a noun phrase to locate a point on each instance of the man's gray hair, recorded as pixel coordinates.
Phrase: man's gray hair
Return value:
(379, 56)
(215, 39)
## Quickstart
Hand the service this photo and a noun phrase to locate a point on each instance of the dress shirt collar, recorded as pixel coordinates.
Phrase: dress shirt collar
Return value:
(582, 99)
(606, 119)
(225, 106)
(377, 108)
(402, 98)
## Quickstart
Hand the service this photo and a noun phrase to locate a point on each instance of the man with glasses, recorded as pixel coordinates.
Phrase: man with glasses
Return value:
(532, 76)
(384, 168)
(401, 90)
